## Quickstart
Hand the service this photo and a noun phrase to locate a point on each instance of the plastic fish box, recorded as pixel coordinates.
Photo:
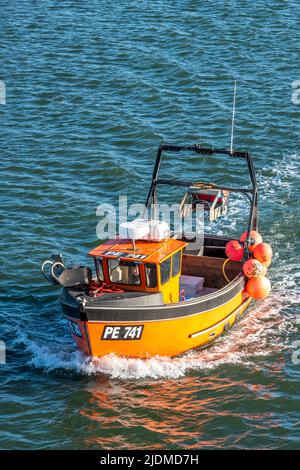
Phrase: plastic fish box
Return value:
(192, 285)
(159, 230)
(136, 229)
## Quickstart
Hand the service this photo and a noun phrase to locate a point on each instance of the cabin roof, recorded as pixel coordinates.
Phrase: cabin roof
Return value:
(145, 251)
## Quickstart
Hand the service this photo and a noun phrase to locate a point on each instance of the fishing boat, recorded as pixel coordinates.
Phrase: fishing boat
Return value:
(151, 292)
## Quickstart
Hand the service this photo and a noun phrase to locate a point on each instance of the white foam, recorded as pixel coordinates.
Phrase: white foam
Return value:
(258, 334)
(51, 357)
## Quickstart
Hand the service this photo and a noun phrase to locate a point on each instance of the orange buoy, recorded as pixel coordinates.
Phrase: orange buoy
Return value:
(254, 268)
(258, 287)
(255, 239)
(263, 252)
(266, 264)
(234, 250)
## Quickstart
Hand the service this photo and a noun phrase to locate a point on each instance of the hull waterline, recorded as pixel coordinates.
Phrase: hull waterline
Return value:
(150, 337)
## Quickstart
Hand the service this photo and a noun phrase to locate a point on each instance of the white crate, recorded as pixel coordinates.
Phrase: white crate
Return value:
(138, 229)
(192, 285)
(159, 230)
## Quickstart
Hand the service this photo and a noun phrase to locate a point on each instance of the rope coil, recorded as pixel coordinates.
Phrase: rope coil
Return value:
(96, 289)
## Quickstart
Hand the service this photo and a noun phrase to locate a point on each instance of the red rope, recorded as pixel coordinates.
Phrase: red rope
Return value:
(97, 289)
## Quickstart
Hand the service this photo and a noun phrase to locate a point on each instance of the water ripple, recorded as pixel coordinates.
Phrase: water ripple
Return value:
(92, 89)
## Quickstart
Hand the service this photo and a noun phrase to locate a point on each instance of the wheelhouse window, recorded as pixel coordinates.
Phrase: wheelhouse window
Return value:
(151, 274)
(165, 270)
(99, 268)
(124, 272)
(176, 262)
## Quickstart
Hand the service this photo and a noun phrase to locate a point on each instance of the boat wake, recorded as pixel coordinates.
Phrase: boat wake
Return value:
(264, 331)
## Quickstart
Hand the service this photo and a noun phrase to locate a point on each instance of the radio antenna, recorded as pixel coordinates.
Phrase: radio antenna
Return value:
(233, 116)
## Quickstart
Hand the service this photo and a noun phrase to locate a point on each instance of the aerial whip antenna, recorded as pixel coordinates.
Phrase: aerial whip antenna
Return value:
(233, 116)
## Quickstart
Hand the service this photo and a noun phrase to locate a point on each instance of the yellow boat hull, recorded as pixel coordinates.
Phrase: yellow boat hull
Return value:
(164, 337)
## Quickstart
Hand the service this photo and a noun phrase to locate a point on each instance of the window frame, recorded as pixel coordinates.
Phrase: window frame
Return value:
(123, 283)
(170, 270)
(179, 252)
(156, 275)
(97, 260)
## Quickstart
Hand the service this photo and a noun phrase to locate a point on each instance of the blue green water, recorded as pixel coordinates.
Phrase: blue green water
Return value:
(92, 88)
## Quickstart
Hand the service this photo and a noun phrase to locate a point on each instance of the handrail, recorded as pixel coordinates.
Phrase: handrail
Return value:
(203, 150)
(190, 185)
(252, 193)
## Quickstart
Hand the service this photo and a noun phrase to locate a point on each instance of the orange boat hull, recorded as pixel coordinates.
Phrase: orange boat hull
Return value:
(169, 337)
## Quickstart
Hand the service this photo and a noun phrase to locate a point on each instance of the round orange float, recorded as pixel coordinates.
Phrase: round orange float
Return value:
(258, 287)
(234, 250)
(255, 239)
(253, 268)
(263, 252)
